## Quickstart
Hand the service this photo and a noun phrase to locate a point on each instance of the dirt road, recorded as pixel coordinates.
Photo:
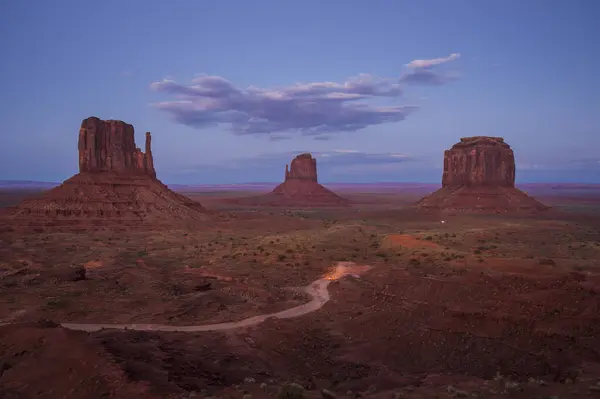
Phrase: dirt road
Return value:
(317, 290)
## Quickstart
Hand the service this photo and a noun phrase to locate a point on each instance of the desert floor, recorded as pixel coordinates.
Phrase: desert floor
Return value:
(451, 306)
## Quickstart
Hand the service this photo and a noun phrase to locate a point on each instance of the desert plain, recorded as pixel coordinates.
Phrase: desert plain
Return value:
(452, 305)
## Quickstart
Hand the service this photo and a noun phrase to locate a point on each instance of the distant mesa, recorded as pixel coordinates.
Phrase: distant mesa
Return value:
(116, 185)
(300, 188)
(479, 175)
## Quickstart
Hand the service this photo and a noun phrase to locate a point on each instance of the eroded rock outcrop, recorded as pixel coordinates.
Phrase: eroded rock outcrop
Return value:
(479, 175)
(109, 146)
(117, 185)
(303, 168)
(300, 188)
(479, 161)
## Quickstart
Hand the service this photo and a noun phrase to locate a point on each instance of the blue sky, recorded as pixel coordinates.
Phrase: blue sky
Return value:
(231, 90)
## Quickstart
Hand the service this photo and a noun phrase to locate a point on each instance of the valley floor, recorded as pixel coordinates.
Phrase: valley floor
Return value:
(451, 306)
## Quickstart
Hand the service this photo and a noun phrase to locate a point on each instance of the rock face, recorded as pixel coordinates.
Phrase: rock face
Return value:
(109, 146)
(479, 175)
(300, 188)
(116, 185)
(303, 168)
(479, 161)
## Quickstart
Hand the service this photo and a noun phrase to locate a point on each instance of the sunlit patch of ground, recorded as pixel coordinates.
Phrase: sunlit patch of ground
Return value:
(93, 264)
(344, 269)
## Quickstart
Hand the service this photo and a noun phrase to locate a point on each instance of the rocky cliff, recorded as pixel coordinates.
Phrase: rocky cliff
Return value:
(479, 176)
(109, 146)
(479, 161)
(303, 167)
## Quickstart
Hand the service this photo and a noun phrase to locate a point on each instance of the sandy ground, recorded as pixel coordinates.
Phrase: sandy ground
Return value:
(477, 306)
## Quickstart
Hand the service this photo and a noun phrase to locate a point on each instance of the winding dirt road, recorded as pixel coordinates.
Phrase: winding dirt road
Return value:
(317, 290)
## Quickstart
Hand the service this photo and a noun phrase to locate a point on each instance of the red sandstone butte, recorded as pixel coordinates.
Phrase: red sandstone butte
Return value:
(109, 146)
(300, 188)
(116, 185)
(479, 175)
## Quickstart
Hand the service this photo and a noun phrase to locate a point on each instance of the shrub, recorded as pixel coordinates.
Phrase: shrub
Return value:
(291, 391)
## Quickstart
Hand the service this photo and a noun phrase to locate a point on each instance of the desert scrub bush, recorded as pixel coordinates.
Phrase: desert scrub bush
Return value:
(291, 391)
(281, 257)
(429, 238)
(414, 262)
(57, 303)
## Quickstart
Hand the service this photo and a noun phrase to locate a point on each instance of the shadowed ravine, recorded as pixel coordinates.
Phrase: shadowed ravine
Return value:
(317, 290)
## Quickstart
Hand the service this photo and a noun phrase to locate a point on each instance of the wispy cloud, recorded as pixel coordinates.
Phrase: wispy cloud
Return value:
(335, 157)
(431, 62)
(279, 138)
(423, 73)
(584, 164)
(331, 165)
(325, 159)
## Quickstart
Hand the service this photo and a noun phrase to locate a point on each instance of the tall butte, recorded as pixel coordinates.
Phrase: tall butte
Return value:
(116, 185)
(300, 187)
(479, 175)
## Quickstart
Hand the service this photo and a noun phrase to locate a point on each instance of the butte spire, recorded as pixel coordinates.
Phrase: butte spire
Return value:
(300, 188)
(479, 175)
(116, 186)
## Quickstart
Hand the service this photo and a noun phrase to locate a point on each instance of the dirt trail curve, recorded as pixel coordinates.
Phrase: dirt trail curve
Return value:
(317, 290)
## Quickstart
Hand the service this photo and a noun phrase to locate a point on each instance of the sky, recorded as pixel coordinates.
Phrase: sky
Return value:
(233, 89)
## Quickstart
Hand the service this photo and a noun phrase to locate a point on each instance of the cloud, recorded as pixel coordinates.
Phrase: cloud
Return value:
(335, 157)
(279, 138)
(427, 77)
(432, 62)
(311, 108)
(277, 160)
(322, 138)
(423, 74)
(557, 164)
(332, 165)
